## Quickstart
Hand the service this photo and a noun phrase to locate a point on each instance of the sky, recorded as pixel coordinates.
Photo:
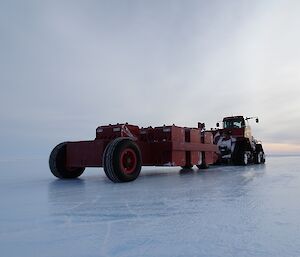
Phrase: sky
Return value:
(68, 66)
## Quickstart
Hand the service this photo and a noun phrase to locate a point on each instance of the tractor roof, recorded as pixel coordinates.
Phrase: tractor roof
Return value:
(233, 118)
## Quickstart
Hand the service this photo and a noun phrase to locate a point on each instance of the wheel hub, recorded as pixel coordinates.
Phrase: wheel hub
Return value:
(128, 161)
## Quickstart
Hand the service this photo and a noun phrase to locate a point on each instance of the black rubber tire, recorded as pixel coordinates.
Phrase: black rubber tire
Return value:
(111, 160)
(263, 159)
(257, 158)
(259, 150)
(57, 163)
(244, 159)
(235, 154)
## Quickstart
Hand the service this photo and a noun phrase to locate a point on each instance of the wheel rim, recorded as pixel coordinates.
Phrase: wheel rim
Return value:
(128, 161)
(259, 158)
(245, 158)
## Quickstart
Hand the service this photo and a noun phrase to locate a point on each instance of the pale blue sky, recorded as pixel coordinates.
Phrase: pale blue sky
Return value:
(68, 66)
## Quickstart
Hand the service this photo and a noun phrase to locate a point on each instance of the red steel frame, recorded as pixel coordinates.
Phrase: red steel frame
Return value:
(159, 146)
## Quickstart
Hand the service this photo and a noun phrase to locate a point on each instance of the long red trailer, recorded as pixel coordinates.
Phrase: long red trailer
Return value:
(122, 149)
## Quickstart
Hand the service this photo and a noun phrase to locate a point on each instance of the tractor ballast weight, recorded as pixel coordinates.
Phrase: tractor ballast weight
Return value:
(122, 149)
(235, 142)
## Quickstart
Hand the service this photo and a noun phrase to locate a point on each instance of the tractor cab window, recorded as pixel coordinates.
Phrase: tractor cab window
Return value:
(234, 123)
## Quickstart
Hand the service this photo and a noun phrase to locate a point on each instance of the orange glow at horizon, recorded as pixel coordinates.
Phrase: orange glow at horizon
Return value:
(281, 148)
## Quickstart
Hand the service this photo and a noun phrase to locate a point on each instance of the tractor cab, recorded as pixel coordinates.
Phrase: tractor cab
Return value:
(235, 126)
(238, 126)
(233, 122)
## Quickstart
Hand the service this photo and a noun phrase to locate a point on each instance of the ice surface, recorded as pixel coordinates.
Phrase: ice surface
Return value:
(223, 211)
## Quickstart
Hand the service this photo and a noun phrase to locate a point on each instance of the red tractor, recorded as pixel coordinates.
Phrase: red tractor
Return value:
(122, 149)
(235, 142)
